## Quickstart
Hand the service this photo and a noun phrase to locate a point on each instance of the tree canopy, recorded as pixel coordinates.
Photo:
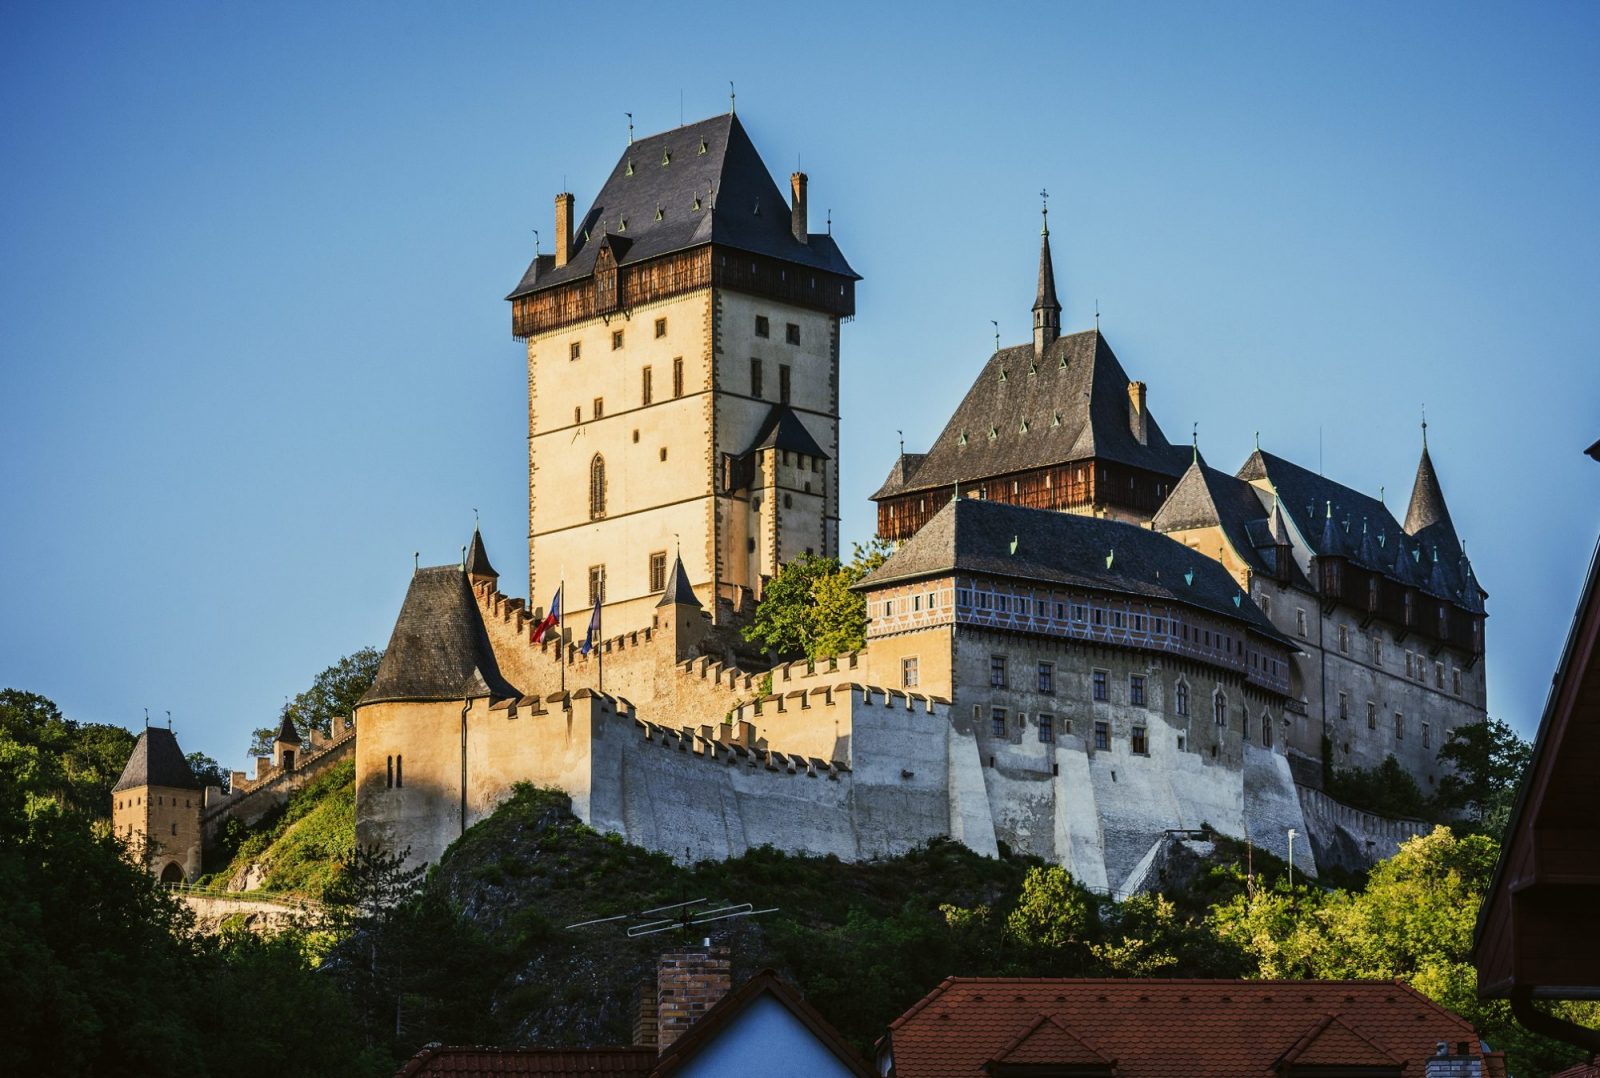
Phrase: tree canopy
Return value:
(809, 609)
(332, 694)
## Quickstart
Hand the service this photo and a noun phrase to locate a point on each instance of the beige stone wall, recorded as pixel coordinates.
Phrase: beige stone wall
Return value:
(168, 818)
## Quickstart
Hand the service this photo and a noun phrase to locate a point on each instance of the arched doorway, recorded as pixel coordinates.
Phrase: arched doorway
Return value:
(172, 874)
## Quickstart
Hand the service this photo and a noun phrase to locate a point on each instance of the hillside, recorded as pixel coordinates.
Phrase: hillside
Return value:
(294, 849)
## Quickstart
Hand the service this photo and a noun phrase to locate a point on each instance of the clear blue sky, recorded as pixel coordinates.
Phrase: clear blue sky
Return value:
(252, 256)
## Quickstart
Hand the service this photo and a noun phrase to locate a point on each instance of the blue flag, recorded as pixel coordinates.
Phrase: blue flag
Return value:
(590, 637)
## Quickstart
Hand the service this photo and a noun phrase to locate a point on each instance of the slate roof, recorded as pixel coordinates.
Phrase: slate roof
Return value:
(286, 731)
(157, 761)
(1169, 1028)
(459, 1061)
(782, 429)
(1337, 521)
(905, 465)
(1045, 295)
(713, 161)
(678, 589)
(439, 649)
(1427, 517)
(1205, 497)
(975, 535)
(1074, 401)
(478, 557)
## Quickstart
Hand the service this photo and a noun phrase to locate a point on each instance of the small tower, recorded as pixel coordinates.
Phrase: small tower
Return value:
(479, 571)
(1046, 308)
(285, 746)
(680, 618)
(155, 807)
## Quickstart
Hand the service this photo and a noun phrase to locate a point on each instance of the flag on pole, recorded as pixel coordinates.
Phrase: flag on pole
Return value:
(594, 628)
(550, 619)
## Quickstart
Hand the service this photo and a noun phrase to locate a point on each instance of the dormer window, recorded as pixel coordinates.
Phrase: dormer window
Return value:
(703, 146)
(666, 158)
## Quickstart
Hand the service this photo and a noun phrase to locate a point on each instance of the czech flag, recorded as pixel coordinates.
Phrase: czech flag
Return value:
(594, 629)
(550, 619)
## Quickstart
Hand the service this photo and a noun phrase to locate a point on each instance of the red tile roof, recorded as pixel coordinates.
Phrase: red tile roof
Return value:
(464, 1062)
(1192, 1028)
(1582, 1070)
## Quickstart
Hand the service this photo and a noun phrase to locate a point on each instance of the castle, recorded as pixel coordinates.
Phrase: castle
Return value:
(1086, 638)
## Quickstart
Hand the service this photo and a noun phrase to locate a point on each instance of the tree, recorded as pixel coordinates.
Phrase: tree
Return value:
(75, 763)
(207, 771)
(1488, 760)
(811, 609)
(333, 693)
(1388, 790)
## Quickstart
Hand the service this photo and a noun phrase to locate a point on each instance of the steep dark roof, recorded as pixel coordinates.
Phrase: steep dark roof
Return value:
(782, 429)
(439, 650)
(905, 466)
(1427, 517)
(976, 535)
(157, 761)
(1074, 402)
(286, 731)
(478, 557)
(1336, 521)
(1205, 497)
(713, 161)
(679, 590)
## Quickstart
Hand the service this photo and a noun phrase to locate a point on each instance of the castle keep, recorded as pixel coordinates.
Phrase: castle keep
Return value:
(1085, 640)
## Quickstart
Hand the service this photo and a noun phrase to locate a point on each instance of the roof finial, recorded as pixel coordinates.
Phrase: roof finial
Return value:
(169, 717)
(147, 718)
(732, 99)
(996, 326)
(830, 220)
(536, 243)
(1424, 426)
(1195, 435)
(1380, 495)
(474, 518)
(1258, 441)
(1097, 314)
(463, 558)
(1044, 211)
(902, 442)
(629, 115)
(416, 560)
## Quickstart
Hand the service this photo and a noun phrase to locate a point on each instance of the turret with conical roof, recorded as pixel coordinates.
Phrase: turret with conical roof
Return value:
(1046, 308)
(155, 807)
(286, 744)
(680, 619)
(478, 567)
(1427, 516)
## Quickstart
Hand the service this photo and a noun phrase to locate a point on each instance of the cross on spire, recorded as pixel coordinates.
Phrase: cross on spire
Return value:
(1044, 211)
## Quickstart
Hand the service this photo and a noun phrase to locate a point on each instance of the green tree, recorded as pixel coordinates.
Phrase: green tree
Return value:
(810, 609)
(1054, 914)
(333, 693)
(208, 771)
(76, 763)
(1488, 760)
(1388, 790)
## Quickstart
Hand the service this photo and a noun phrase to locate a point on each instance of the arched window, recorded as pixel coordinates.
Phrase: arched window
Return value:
(1266, 729)
(1219, 705)
(597, 487)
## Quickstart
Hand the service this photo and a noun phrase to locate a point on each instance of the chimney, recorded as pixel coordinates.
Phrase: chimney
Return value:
(563, 229)
(687, 986)
(644, 1017)
(797, 214)
(1444, 1065)
(1138, 418)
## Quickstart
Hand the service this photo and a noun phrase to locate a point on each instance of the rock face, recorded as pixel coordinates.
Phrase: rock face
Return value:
(212, 913)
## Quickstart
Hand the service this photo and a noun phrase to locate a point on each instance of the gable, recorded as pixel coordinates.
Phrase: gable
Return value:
(765, 1038)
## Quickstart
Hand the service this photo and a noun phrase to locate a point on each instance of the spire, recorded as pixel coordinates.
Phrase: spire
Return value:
(286, 731)
(477, 562)
(679, 591)
(1427, 511)
(1046, 308)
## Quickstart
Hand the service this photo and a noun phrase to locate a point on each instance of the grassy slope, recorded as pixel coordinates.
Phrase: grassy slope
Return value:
(297, 847)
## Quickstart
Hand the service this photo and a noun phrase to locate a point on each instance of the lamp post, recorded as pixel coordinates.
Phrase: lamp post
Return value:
(1292, 833)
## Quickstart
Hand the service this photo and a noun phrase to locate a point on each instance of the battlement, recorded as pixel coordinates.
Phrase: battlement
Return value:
(249, 798)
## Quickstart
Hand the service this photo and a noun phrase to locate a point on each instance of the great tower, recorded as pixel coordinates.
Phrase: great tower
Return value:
(683, 380)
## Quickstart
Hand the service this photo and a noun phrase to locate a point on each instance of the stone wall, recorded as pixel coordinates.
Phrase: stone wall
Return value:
(249, 799)
(1348, 837)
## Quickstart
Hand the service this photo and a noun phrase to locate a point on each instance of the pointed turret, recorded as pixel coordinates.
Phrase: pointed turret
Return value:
(679, 591)
(286, 745)
(286, 731)
(1046, 308)
(680, 620)
(1427, 517)
(478, 567)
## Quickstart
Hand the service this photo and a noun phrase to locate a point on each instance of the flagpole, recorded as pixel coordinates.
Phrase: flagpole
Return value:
(600, 638)
(561, 632)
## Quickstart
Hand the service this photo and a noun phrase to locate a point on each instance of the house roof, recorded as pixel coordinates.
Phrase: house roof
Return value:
(478, 557)
(1199, 1028)
(1026, 411)
(977, 536)
(782, 429)
(458, 1061)
(708, 184)
(1338, 521)
(157, 760)
(905, 465)
(766, 983)
(439, 649)
(678, 590)
(1205, 497)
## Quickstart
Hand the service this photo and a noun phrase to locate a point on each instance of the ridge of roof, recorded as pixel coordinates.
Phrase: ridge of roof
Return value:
(1026, 411)
(702, 182)
(483, 1060)
(156, 760)
(439, 649)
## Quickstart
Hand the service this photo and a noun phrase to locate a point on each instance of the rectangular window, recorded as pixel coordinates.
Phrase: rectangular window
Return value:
(783, 382)
(1410, 666)
(1427, 739)
(1139, 741)
(1399, 726)
(1047, 727)
(763, 326)
(677, 376)
(658, 571)
(755, 378)
(597, 584)
(1438, 675)
(1372, 715)
(616, 339)
(661, 327)
(908, 672)
(1455, 677)
(646, 385)
(1344, 639)
(1047, 677)
(997, 721)
(1102, 735)
(599, 407)
(1099, 682)
(791, 333)
(1377, 650)
(997, 671)
(575, 349)
(1136, 690)
(1266, 730)
(1300, 621)
(1180, 694)
(1344, 705)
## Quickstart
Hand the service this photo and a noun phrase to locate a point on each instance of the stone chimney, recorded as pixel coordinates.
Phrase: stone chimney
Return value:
(563, 229)
(1138, 417)
(687, 986)
(644, 1016)
(1461, 1065)
(797, 212)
